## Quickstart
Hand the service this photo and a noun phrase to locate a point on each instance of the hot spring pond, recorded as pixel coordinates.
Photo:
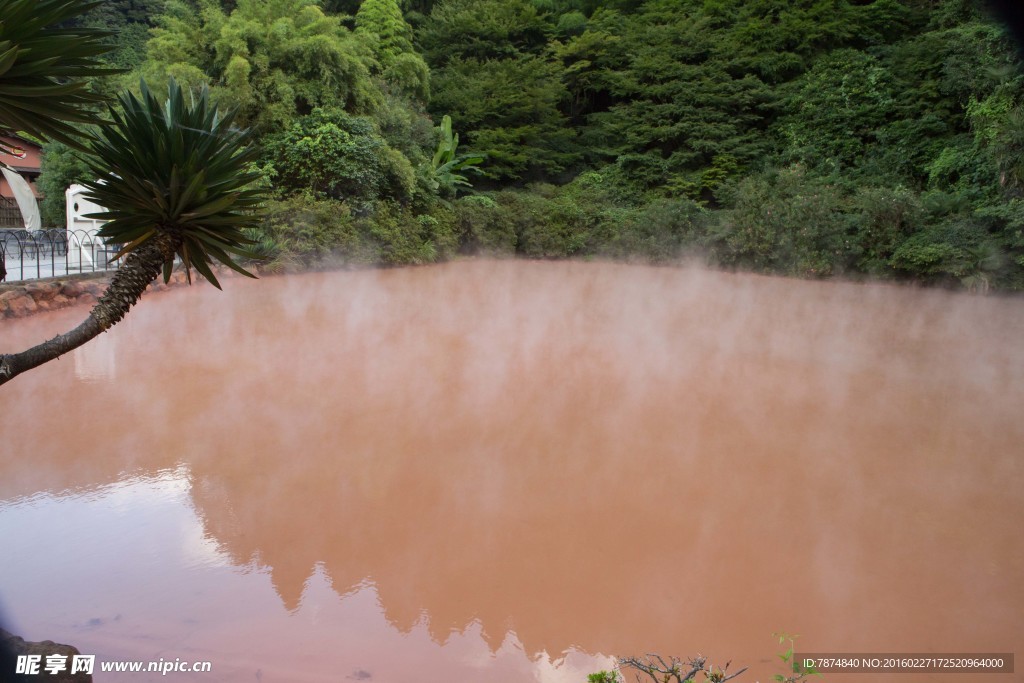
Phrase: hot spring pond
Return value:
(512, 471)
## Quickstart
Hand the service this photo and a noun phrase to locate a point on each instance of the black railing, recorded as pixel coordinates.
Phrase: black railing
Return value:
(52, 252)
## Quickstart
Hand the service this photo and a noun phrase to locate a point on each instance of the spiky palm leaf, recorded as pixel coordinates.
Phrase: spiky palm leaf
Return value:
(175, 168)
(43, 68)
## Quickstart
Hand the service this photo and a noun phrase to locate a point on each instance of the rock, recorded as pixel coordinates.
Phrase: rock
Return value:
(86, 298)
(12, 294)
(42, 292)
(13, 647)
(60, 300)
(22, 306)
(71, 289)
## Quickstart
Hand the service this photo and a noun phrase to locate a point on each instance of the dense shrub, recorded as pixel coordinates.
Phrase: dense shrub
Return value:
(883, 218)
(397, 236)
(953, 249)
(331, 154)
(547, 226)
(303, 231)
(786, 221)
(659, 232)
(485, 227)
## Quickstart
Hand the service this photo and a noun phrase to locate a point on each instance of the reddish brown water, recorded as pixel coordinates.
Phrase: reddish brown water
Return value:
(508, 471)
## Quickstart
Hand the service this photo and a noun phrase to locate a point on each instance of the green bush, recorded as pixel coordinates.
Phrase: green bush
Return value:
(304, 231)
(550, 228)
(659, 232)
(786, 222)
(484, 226)
(331, 154)
(944, 253)
(397, 236)
(883, 218)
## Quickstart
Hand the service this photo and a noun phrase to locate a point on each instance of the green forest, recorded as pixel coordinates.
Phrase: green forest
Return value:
(809, 138)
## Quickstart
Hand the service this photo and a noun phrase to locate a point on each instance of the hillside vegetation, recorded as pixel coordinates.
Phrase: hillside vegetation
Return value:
(812, 138)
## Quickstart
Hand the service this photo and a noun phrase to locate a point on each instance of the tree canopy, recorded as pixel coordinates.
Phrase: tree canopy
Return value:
(892, 127)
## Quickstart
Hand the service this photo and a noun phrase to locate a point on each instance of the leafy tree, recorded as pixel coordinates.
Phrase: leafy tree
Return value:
(493, 80)
(679, 106)
(998, 124)
(406, 126)
(274, 60)
(681, 94)
(510, 108)
(787, 222)
(332, 154)
(482, 30)
(129, 21)
(381, 21)
(61, 167)
(934, 74)
(591, 61)
(836, 111)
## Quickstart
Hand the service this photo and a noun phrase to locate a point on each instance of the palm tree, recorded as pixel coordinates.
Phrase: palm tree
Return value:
(170, 173)
(172, 177)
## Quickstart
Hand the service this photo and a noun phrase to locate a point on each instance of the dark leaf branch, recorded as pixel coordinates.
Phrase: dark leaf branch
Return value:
(677, 671)
(44, 67)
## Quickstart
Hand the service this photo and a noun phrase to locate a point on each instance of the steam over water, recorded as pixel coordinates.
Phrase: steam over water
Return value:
(511, 471)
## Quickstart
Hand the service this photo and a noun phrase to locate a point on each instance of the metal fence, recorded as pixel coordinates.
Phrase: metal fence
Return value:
(52, 252)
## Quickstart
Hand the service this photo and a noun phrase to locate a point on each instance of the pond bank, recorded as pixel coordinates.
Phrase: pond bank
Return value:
(26, 298)
(20, 300)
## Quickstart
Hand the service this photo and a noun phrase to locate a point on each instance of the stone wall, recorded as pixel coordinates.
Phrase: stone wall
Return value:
(20, 300)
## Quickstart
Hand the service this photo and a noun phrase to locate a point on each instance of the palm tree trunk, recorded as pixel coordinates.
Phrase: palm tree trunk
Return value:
(140, 268)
